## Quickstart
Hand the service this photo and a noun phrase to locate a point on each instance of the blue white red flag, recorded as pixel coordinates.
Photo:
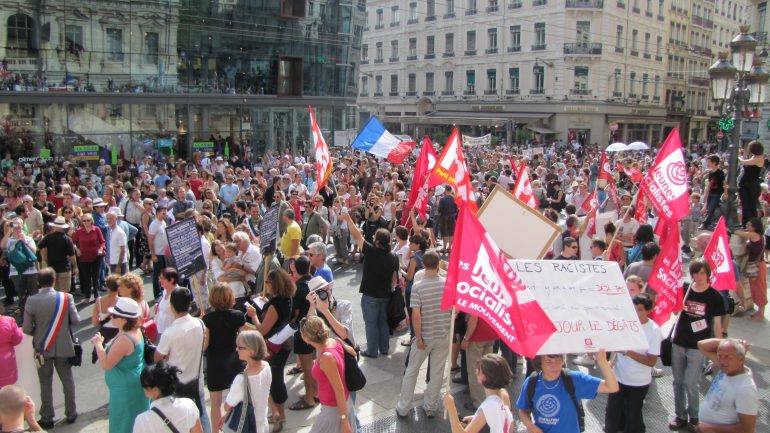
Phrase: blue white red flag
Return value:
(375, 139)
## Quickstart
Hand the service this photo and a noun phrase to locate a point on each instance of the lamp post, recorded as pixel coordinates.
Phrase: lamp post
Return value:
(735, 87)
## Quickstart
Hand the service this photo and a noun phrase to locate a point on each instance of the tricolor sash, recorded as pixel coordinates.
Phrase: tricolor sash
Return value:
(60, 311)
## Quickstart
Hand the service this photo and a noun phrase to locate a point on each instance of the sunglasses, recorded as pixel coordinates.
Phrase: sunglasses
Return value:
(240, 348)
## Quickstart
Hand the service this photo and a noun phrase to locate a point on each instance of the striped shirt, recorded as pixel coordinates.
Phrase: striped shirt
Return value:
(426, 295)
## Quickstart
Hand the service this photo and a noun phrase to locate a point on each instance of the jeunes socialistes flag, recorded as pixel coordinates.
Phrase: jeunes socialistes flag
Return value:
(665, 184)
(666, 277)
(451, 169)
(418, 196)
(323, 160)
(720, 259)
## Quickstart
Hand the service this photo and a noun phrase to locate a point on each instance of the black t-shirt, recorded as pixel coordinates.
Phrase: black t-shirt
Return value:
(697, 321)
(47, 206)
(60, 249)
(223, 326)
(379, 266)
(371, 227)
(300, 297)
(717, 182)
(283, 308)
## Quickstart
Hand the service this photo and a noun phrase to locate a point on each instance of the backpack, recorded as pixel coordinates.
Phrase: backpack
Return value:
(569, 385)
(21, 257)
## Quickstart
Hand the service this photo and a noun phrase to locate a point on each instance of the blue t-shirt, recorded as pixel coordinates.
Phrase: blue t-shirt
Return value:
(325, 273)
(160, 180)
(554, 410)
(228, 193)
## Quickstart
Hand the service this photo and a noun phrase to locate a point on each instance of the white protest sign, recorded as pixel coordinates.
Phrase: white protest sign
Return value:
(484, 140)
(588, 303)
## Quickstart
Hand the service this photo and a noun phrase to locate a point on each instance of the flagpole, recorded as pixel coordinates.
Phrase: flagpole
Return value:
(448, 366)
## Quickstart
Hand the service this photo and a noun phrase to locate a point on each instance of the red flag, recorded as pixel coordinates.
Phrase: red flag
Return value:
(418, 196)
(523, 188)
(481, 282)
(450, 168)
(640, 208)
(606, 174)
(666, 278)
(720, 259)
(665, 185)
(323, 159)
(632, 172)
(590, 205)
(662, 229)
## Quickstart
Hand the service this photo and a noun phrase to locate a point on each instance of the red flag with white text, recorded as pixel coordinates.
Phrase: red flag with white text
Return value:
(720, 258)
(450, 168)
(418, 196)
(481, 282)
(323, 159)
(523, 187)
(640, 208)
(666, 277)
(665, 184)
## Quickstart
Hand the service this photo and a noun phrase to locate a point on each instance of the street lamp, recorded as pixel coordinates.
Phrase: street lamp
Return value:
(735, 87)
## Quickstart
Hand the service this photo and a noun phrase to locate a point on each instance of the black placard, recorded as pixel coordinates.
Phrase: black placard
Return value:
(268, 230)
(185, 244)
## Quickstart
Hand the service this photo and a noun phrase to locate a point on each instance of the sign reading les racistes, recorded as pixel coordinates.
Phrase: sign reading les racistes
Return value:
(185, 244)
(588, 303)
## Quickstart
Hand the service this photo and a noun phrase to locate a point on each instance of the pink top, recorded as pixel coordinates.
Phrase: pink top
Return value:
(325, 390)
(10, 336)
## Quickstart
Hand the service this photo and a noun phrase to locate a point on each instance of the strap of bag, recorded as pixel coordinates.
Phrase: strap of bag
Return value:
(165, 419)
(569, 385)
(203, 344)
(60, 310)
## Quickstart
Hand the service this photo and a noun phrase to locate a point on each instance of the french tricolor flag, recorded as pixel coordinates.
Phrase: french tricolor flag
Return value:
(375, 139)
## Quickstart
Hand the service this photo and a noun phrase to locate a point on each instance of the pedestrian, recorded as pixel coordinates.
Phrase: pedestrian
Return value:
(100, 315)
(749, 184)
(90, 248)
(15, 408)
(157, 240)
(756, 269)
(222, 327)
(337, 413)
(48, 318)
(132, 286)
(252, 350)
(494, 375)
(159, 382)
(304, 351)
(58, 252)
(123, 361)
(10, 337)
(117, 246)
(23, 274)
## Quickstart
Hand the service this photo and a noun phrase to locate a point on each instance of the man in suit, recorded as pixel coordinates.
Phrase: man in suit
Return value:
(38, 314)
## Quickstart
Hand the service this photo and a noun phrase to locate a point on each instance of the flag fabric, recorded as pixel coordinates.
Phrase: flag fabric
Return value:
(633, 173)
(640, 208)
(662, 230)
(590, 205)
(418, 196)
(522, 190)
(720, 259)
(323, 160)
(481, 282)
(666, 277)
(665, 184)
(606, 173)
(450, 168)
(375, 139)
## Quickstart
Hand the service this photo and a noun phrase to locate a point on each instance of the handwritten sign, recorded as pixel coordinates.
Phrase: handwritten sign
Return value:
(588, 303)
(268, 230)
(185, 244)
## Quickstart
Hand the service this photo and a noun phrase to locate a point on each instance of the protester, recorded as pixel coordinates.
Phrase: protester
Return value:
(100, 315)
(756, 269)
(58, 252)
(158, 242)
(304, 351)
(253, 351)
(90, 247)
(15, 408)
(24, 276)
(159, 381)
(10, 337)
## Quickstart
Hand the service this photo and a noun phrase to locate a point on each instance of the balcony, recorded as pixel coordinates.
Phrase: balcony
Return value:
(621, 5)
(492, 9)
(408, 58)
(701, 50)
(634, 53)
(514, 49)
(700, 21)
(515, 5)
(379, 27)
(632, 96)
(658, 58)
(656, 98)
(620, 50)
(490, 51)
(376, 94)
(395, 24)
(585, 4)
(411, 93)
(429, 93)
(512, 91)
(539, 2)
(363, 94)
(449, 15)
(490, 92)
(583, 48)
(378, 61)
(647, 56)
(617, 94)
(580, 92)
(469, 92)
(430, 56)
(636, 10)
(538, 47)
(648, 14)
(413, 21)
(447, 93)
(645, 97)
(450, 54)
(364, 61)
(393, 94)
(430, 18)
(470, 52)
(393, 59)
(661, 18)
(537, 91)
(701, 112)
(699, 81)
(473, 11)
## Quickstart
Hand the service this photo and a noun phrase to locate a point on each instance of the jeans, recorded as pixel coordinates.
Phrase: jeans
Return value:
(157, 268)
(624, 410)
(712, 204)
(89, 278)
(375, 312)
(341, 249)
(438, 350)
(26, 286)
(205, 421)
(686, 365)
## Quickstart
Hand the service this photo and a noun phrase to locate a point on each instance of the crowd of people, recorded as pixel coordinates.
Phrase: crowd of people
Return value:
(76, 235)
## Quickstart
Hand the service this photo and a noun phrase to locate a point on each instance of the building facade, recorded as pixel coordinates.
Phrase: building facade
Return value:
(128, 73)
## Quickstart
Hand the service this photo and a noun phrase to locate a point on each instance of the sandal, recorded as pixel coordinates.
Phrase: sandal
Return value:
(301, 405)
(294, 370)
(407, 343)
(278, 425)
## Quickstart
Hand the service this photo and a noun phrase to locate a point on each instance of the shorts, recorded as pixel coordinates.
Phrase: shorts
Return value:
(447, 225)
(300, 347)
(767, 242)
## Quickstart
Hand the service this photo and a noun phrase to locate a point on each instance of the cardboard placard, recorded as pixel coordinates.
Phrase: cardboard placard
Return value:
(185, 244)
(268, 230)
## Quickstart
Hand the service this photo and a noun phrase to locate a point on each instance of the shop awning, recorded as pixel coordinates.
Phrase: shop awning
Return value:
(542, 130)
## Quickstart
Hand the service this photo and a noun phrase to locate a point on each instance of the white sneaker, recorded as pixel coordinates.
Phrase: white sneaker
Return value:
(584, 360)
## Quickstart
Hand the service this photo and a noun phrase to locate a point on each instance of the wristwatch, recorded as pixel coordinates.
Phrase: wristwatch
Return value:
(343, 417)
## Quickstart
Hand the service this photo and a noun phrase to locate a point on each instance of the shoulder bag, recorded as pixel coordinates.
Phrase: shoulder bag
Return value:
(241, 418)
(355, 379)
(165, 419)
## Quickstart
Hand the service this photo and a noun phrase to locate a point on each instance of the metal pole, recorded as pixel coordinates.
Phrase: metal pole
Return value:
(732, 170)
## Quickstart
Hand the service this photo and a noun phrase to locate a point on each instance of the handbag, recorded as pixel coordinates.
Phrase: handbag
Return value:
(77, 359)
(150, 329)
(280, 340)
(666, 345)
(149, 349)
(396, 310)
(355, 379)
(241, 420)
(165, 419)
(752, 269)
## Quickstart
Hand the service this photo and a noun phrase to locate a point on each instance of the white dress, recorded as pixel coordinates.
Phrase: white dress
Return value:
(259, 390)
(497, 413)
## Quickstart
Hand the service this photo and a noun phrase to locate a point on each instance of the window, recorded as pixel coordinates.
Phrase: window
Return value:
(20, 37)
(151, 47)
(515, 38)
(115, 110)
(449, 43)
(293, 8)
(539, 36)
(647, 44)
(366, 21)
(378, 57)
(656, 88)
(449, 77)
(658, 47)
(114, 45)
(470, 80)
(471, 6)
(616, 89)
(619, 38)
(539, 73)
(450, 8)
(634, 40)
(632, 85)
(365, 52)
(289, 76)
(429, 84)
(310, 9)
(364, 85)
(648, 12)
(491, 81)
(393, 50)
(583, 32)
(645, 79)
(470, 39)
(413, 47)
(24, 111)
(430, 43)
(395, 18)
(380, 19)
(431, 10)
(513, 80)
(378, 85)
(412, 12)
(73, 40)
(581, 79)
(492, 40)
(412, 83)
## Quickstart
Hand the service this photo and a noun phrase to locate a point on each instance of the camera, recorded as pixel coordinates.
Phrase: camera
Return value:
(322, 294)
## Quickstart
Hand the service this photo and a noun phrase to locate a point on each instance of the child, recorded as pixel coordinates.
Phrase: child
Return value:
(635, 285)
(229, 273)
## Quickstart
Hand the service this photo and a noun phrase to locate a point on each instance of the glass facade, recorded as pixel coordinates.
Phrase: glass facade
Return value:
(127, 73)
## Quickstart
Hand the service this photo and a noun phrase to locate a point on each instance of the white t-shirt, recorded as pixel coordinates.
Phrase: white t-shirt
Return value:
(165, 317)
(182, 413)
(118, 239)
(632, 373)
(183, 342)
(259, 391)
(250, 259)
(497, 413)
(624, 228)
(402, 254)
(160, 242)
(727, 397)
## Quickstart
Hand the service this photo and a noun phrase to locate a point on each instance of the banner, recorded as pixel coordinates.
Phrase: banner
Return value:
(204, 147)
(587, 301)
(85, 153)
(481, 283)
(666, 277)
(450, 168)
(720, 258)
(418, 194)
(165, 143)
(485, 140)
(665, 184)
(186, 250)
(323, 160)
